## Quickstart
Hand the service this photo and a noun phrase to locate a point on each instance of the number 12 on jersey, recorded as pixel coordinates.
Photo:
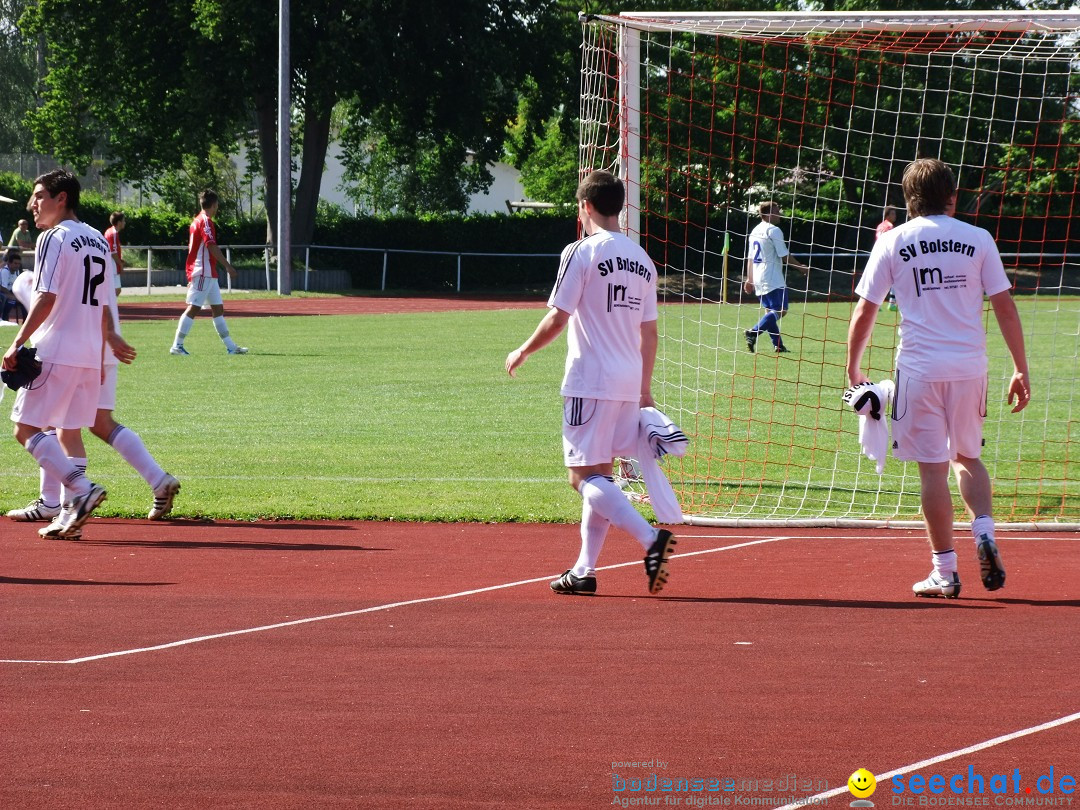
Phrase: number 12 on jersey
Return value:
(91, 280)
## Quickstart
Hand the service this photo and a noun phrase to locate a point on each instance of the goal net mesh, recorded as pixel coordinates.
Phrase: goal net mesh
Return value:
(706, 115)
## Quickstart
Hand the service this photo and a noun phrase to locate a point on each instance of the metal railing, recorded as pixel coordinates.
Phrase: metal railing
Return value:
(267, 251)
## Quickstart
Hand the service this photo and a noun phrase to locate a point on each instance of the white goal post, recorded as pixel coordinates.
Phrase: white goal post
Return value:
(706, 114)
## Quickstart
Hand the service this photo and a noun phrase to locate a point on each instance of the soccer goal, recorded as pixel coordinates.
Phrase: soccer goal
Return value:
(705, 115)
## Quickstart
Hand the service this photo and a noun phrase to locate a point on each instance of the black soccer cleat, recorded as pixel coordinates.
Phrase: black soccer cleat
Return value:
(751, 340)
(657, 559)
(990, 567)
(573, 584)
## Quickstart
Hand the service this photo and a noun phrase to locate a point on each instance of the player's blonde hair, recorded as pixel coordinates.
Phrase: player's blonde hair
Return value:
(928, 187)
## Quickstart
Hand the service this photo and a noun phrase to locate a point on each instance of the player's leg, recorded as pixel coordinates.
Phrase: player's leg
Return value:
(920, 434)
(967, 413)
(47, 505)
(131, 448)
(778, 304)
(593, 431)
(196, 297)
(71, 441)
(48, 402)
(217, 310)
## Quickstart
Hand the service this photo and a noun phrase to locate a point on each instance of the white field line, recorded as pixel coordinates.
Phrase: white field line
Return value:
(373, 609)
(926, 763)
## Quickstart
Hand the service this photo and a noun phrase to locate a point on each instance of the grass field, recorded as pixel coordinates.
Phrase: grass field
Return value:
(411, 417)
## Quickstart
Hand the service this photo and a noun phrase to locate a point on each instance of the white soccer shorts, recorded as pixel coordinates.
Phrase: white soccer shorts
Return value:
(107, 394)
(61, 397)
(203, 290)
(937, 421)
(596, 430)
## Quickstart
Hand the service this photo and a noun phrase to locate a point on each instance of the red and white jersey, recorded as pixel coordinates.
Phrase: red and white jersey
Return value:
(200, 262)
(113, 238)
(74, 263)
(608, 285)
(939, 268)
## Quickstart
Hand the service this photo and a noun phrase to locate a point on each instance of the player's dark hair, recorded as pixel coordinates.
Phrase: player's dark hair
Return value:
(12, 253)
(768, 207)
(928, 187)
(889, 209)
(61, 180)
(207, 198)
(116, 217)
(603, 191)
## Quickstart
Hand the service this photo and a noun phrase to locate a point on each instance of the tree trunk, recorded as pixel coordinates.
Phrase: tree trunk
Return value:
(316, 142)
(266, 115)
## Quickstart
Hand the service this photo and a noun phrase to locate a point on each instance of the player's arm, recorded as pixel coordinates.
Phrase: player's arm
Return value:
(649, 341)
(123, 350)
(549, 328)
(118, 262)
(791, 260)
(219, 257)
(859, 331)
(1012, 331)
(748, 283)
(40, 308)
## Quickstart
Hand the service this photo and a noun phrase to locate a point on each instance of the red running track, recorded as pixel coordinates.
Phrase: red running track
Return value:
(137, 308)
(770, 656)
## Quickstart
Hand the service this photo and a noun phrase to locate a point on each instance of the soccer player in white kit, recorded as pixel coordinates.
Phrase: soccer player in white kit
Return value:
(940, 268)
(605, 294)
(69, 321)
(201, 267)
(125, 441)
(766, 257)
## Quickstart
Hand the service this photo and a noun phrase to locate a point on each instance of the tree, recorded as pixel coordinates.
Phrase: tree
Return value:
(158, 85)
(18, 78)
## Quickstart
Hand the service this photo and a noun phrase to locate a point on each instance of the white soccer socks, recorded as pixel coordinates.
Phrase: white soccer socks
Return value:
(606, 499)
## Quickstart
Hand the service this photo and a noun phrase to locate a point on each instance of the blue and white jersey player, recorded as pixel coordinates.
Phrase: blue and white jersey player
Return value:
(605, 297)
(765, 275)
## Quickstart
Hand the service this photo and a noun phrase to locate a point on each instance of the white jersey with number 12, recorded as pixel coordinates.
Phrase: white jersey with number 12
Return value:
(74, 263)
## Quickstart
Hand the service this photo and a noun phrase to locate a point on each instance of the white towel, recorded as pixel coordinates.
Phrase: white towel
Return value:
(870, 401)
(657, 437)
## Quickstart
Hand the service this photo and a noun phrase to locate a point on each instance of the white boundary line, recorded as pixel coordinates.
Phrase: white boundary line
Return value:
(361, 611)
(971, 749)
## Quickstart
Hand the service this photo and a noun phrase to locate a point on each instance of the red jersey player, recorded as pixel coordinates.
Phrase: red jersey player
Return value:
(203, 259)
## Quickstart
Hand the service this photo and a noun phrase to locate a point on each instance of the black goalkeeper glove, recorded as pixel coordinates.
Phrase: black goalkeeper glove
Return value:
(27, 368)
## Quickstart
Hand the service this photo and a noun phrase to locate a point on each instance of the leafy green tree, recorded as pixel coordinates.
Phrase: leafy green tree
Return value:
(550, 172)
(18, 78)
(160, 82)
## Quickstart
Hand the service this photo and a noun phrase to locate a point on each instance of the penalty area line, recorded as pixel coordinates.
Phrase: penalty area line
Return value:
(817, 798)
(361, 611)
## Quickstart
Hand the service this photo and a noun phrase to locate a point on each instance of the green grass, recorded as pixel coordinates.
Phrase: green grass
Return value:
(411, 417)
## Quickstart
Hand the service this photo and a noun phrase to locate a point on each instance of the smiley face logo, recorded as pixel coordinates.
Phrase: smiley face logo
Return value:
(862, 784)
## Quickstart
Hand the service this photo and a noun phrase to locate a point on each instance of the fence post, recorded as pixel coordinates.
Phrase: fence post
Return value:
(149, 267)
(307, 266)
(459, 272)
(266, 256)
(385, 256)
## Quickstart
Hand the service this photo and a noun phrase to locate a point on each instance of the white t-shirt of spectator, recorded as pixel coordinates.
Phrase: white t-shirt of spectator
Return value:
(73, 263)
(607, 283)
(939, 268)
(7, 277)
(767, 253)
